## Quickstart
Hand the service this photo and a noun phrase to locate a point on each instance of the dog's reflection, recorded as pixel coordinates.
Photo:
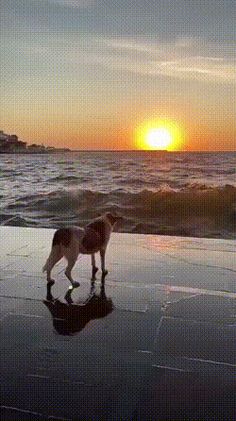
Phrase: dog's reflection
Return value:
(71, 318)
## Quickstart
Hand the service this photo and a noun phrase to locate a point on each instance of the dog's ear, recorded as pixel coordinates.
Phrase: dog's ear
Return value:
(113, 218)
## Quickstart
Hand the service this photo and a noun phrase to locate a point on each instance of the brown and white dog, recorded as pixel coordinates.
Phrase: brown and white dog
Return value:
(70, 242)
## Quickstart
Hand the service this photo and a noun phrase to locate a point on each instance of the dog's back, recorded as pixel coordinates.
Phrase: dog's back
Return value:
(92, 238)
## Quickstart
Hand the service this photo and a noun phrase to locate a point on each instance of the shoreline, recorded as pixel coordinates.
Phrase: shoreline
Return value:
(228, 237)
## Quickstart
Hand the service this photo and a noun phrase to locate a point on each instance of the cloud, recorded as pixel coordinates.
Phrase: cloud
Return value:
(193, 59)
(185, 58)
(73, 3)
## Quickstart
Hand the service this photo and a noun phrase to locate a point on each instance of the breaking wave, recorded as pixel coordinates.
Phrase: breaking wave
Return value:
(193, 210)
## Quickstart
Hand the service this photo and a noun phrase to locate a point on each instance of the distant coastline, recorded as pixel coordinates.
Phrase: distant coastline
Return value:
(10, 144)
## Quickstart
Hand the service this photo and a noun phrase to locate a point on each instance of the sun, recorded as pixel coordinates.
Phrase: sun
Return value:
(159, 135)
(159, 138)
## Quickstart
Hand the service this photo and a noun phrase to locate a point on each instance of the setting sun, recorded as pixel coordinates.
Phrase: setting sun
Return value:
(159, 138)
(159, 135)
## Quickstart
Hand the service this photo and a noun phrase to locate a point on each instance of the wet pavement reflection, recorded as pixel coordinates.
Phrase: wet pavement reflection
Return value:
(156, 342)
(70, 318)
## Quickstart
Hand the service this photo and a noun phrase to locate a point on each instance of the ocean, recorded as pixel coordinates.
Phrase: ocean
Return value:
(169, 193)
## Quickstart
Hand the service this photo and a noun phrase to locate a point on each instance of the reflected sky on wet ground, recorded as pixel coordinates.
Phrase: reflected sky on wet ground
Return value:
(140, 347)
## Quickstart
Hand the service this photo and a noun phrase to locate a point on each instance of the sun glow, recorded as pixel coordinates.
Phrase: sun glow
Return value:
(159, 138)
(159, 135)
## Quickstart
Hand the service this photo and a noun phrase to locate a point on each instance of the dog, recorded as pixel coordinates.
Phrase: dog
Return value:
(70, 242)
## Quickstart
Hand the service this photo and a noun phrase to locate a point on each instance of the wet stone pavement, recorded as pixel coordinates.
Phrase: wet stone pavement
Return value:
(156, 342)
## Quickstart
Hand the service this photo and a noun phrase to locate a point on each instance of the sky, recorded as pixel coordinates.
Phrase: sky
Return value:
(86, 74)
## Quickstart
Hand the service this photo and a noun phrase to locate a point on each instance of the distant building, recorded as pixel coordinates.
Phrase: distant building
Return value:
(36, 148)
(10, 143)
(3, 136)
(14, 143)
(12, 139)
(3, 140)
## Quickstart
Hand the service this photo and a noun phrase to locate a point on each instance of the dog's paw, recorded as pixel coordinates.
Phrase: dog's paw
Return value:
(75, 284)
(50, 283)
(104, 274)
(68, 296)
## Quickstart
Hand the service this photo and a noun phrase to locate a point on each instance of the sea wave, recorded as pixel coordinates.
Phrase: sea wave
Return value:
(195, 209)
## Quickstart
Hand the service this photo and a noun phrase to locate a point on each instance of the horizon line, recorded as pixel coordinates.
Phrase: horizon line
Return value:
(150, 150)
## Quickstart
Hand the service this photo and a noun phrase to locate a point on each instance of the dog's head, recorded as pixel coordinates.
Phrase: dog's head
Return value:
(113, 219)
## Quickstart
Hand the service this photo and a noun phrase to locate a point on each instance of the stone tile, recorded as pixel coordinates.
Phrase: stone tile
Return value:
(127, 354)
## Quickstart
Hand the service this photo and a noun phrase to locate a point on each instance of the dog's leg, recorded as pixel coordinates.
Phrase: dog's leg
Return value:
(49, 293)
(71, 262)
(53, 258)
(104, 271)
(94, 268)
